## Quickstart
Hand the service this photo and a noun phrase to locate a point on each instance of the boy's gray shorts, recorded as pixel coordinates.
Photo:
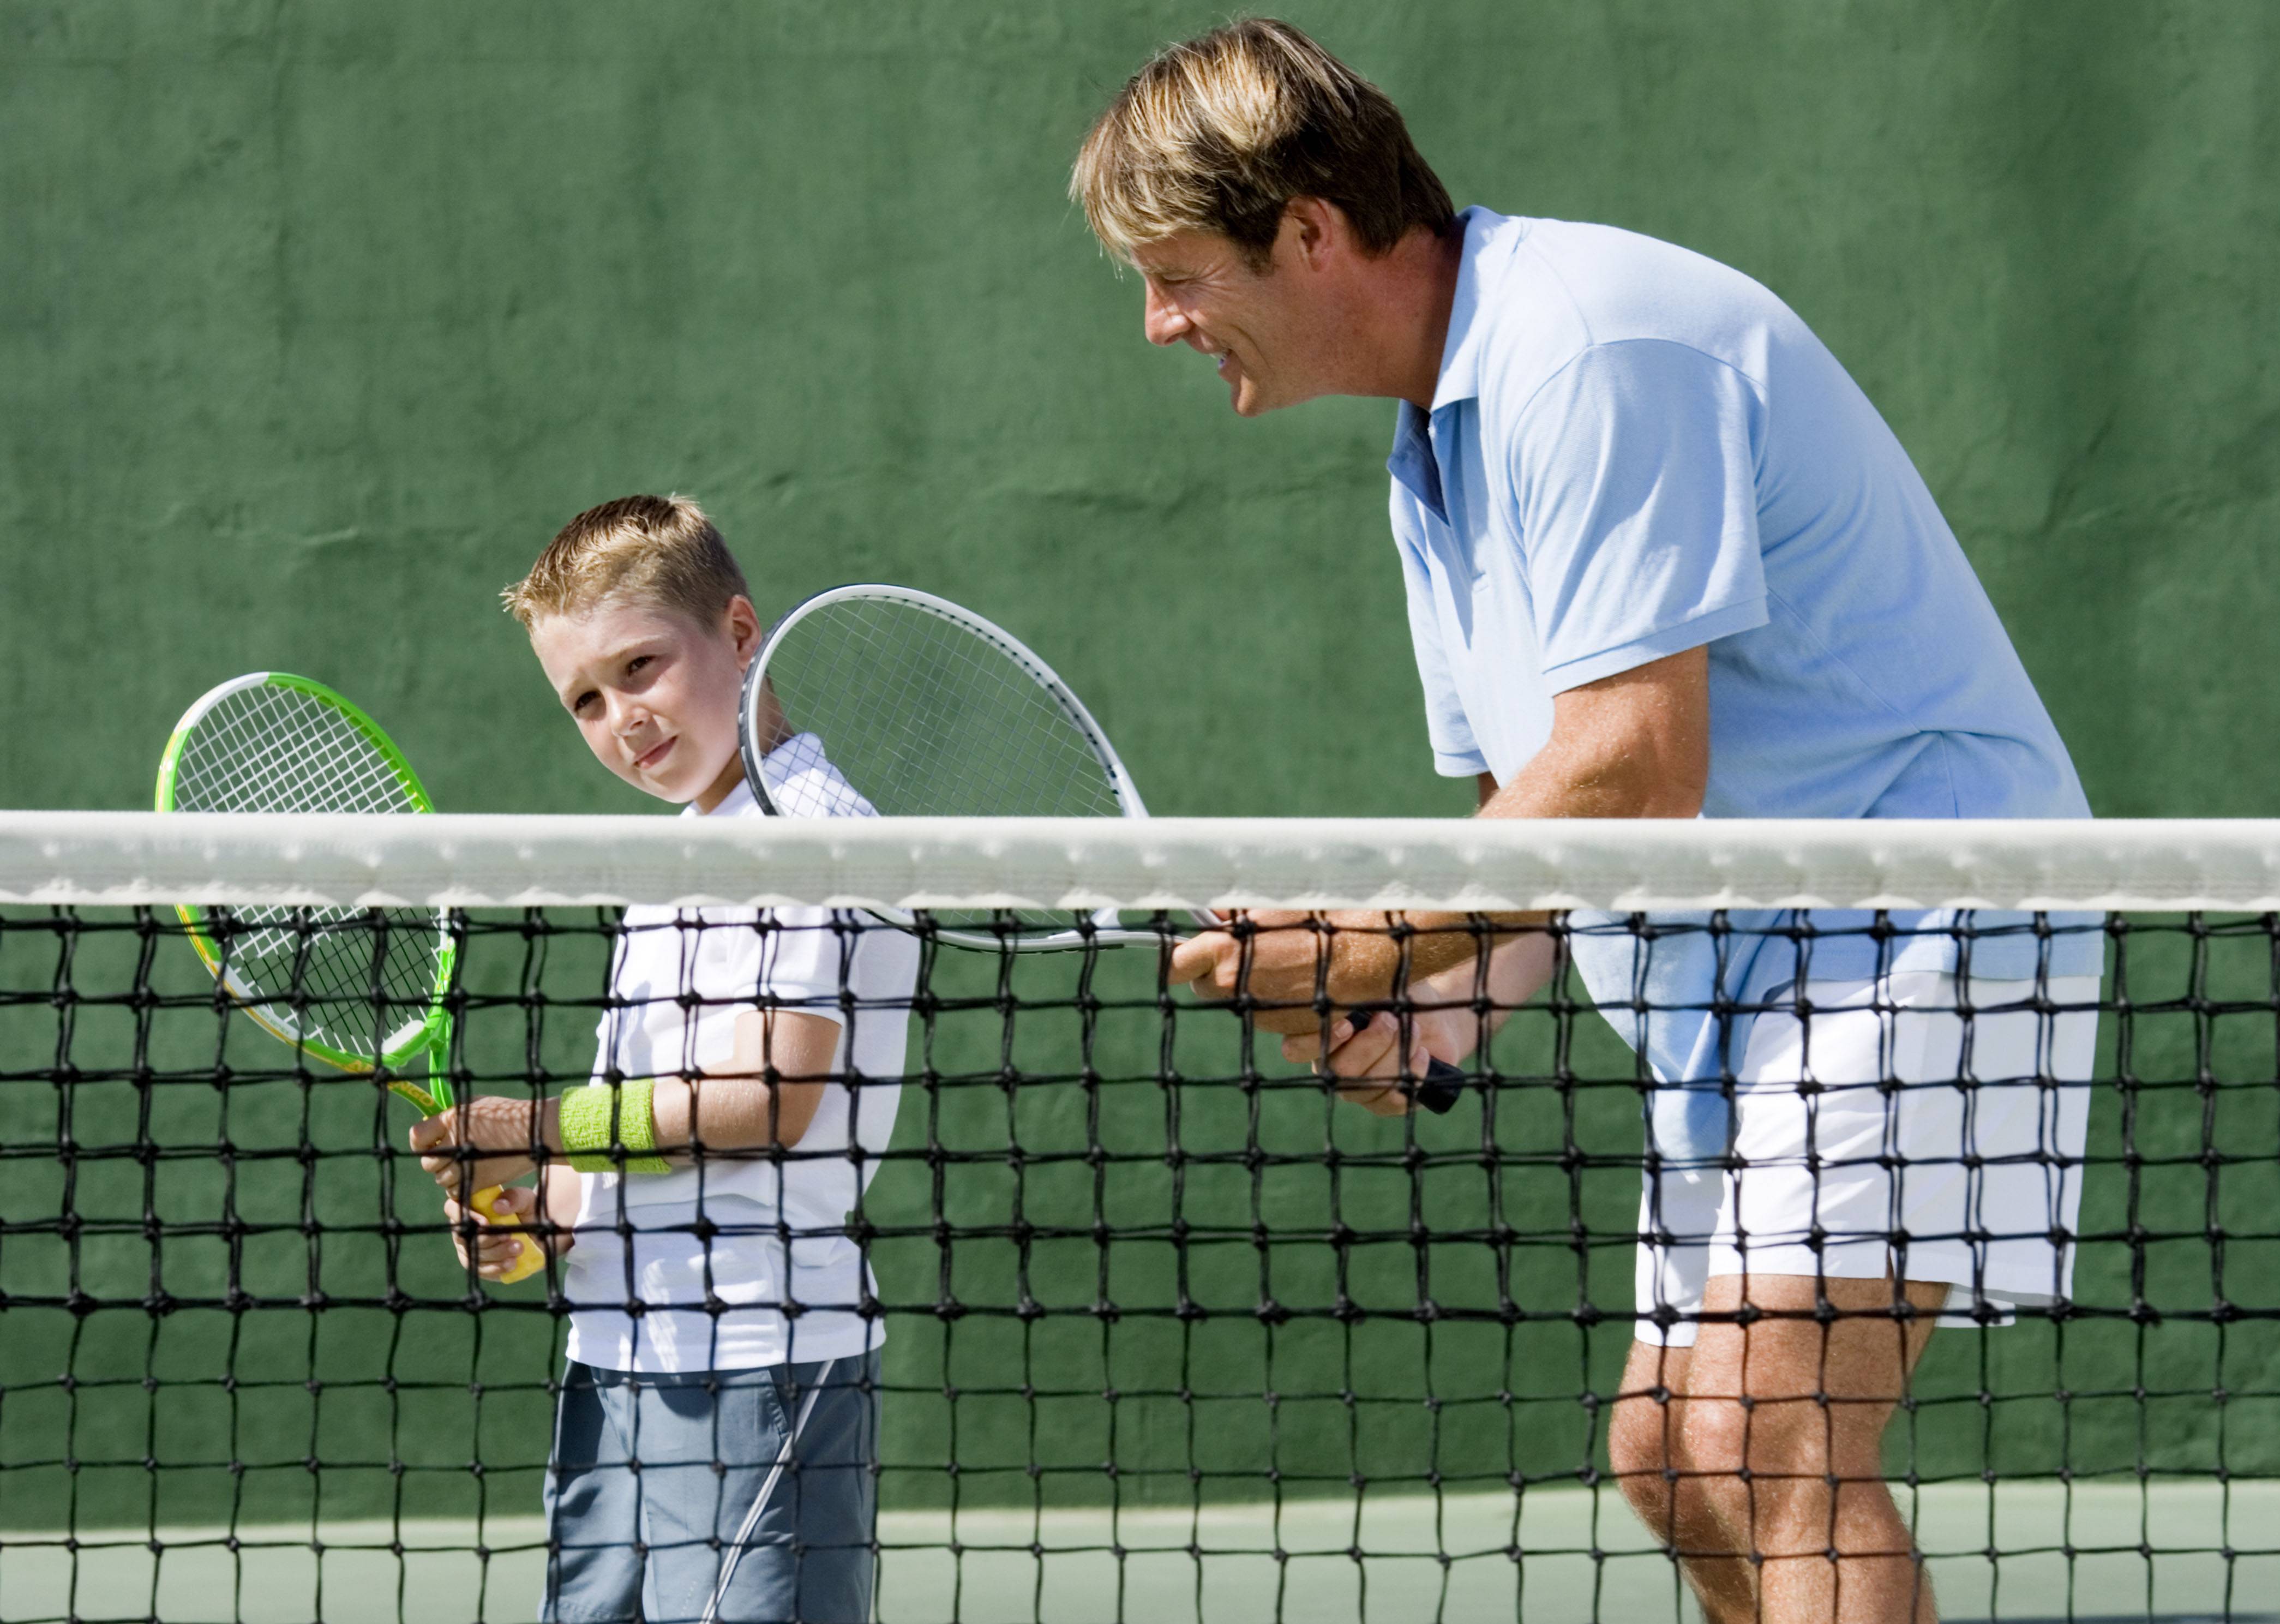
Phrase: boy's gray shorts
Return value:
(653, 1496)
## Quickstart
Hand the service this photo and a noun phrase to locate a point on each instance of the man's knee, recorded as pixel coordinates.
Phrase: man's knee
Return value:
(1718, 1434)
(1714, 1443)
(1644, 1429)
(1644, 1449)
(1764, 1467)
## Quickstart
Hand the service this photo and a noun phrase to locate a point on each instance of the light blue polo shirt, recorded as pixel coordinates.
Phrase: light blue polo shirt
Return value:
(1633, 451)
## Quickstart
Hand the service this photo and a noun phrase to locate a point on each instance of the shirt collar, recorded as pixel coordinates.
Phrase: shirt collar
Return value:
(1489, 241)
(1413, 464)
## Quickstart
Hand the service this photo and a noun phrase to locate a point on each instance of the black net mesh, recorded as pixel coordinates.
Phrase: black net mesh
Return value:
(1171, 1331)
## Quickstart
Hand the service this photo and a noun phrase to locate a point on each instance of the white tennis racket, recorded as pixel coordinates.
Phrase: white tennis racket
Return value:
(879, 700)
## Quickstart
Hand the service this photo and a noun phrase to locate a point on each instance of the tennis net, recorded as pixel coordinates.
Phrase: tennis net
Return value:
(1171, 1331)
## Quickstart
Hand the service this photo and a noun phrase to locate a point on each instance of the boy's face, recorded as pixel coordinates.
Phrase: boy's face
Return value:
(654, 692)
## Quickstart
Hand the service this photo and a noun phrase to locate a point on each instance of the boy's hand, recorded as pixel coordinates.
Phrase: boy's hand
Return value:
(495, 1245)
(505, 1131)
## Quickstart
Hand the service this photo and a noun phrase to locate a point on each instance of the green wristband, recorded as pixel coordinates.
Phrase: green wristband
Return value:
(608, 1128)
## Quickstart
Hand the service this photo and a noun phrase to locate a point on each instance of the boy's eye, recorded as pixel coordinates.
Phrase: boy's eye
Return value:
(578, 705)
(637, 662)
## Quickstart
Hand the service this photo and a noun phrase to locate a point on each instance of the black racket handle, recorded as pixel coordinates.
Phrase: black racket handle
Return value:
(1441, 1086)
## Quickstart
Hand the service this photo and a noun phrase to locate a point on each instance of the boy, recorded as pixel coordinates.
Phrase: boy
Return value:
(714, 1456)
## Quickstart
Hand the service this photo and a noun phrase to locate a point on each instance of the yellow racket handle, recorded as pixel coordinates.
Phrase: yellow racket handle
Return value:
(529, 1258)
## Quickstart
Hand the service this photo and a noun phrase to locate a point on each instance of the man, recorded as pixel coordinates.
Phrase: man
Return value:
(1663, 560)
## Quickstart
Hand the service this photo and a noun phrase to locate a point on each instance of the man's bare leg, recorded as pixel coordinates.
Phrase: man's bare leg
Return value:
(1645, 1443)
(1803, 1405)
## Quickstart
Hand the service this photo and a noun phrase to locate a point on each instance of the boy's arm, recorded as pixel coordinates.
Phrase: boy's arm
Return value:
(767, 1095)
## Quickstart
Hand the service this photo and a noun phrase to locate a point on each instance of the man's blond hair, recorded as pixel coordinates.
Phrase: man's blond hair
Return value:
(1219, 134)
(660, 551)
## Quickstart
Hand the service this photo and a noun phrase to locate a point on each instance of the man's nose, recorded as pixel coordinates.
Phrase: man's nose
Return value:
(1163, 320)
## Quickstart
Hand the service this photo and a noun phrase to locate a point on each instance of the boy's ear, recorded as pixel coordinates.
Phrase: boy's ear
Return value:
(744, 630)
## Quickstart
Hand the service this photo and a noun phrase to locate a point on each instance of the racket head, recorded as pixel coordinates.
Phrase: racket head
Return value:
(357, 989)
(875, 699)
(927, 709)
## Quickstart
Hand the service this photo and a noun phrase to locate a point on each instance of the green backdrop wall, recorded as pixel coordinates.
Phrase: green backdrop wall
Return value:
(316, 320)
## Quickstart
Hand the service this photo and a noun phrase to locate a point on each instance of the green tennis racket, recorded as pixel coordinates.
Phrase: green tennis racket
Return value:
(361, 989)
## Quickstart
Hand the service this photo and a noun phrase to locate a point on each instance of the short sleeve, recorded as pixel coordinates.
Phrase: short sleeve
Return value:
(1635, 471)
(1456, 752)
(806, 956)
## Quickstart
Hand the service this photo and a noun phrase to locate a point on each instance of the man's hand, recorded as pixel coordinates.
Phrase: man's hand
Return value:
(504, 1131)
(1284, 961)
(1365, 1050)
(497, 1242)
(1292, 961)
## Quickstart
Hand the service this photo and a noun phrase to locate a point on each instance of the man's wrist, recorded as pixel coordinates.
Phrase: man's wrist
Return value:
(1364, 958)
(1433, 944)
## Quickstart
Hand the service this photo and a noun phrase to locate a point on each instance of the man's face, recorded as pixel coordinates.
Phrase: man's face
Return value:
(1265, 328)
(653, 693)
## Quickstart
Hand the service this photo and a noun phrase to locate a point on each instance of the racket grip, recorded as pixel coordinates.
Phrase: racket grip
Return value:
(530, 1256)
(1441, 1086)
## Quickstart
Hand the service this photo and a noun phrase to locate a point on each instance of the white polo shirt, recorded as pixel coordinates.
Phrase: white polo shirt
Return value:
(777, 1230)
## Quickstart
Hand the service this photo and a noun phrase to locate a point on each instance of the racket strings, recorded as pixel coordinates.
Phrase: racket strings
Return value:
(1036, 762)
(329, 975)
(923, 715)
(279, 748)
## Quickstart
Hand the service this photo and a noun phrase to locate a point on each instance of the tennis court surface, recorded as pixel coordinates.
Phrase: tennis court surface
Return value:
(1193, 1566)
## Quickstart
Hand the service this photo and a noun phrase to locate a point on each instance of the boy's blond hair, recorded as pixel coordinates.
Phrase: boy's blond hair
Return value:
(1219, 133)
(659, 551)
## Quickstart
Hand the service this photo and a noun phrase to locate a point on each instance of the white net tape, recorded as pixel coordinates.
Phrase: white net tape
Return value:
(1171, 863)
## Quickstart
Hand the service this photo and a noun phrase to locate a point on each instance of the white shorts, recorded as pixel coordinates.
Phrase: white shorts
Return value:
(1930, 1147)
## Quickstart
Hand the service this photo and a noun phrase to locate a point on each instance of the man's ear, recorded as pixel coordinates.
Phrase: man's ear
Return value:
(1317, 229)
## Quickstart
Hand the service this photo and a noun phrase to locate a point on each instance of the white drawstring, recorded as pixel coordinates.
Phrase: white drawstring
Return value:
(767, 1490)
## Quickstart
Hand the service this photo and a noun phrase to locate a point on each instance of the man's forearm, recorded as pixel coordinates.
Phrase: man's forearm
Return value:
(1380, 954)
(1633, 745)
(1403, 950)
